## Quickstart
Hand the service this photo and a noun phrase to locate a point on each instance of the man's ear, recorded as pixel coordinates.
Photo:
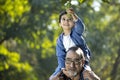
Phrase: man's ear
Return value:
(83, 61)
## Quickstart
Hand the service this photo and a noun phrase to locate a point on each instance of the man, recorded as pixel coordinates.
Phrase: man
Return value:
(74, 67)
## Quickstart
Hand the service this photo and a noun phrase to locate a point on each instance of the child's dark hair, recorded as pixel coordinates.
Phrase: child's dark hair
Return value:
(62, 13)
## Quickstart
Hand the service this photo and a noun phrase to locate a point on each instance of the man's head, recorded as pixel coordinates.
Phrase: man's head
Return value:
(74, 61)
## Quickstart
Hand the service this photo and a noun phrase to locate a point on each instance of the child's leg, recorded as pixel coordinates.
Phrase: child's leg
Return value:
(87, 67)
(88, 73)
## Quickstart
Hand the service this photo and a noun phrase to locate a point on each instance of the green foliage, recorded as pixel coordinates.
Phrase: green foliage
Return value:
(107, 1)
(12, 68)
(68, 4)
(29, 30)
(81, 1)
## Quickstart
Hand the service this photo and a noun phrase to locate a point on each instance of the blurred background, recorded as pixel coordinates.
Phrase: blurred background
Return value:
(29, 29)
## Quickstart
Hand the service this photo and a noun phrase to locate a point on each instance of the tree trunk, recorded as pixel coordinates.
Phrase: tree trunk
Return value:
(115, 66)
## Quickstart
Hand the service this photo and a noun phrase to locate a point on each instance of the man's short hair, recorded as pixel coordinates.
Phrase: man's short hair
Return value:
(78, 51)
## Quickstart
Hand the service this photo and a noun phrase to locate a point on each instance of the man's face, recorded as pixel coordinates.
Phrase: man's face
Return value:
(73, 63)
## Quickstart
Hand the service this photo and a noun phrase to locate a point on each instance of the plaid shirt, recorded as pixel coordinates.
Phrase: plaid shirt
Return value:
(64, 77)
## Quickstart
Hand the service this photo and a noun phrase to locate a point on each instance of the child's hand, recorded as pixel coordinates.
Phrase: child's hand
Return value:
(72, 14)
(65, 72)
(56, 77)
(70, 11)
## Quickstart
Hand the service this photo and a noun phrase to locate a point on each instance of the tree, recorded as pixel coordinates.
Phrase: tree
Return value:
(29, 29)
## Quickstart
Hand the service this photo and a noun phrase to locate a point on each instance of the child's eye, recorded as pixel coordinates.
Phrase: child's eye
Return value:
(63, 19)
(70, 19)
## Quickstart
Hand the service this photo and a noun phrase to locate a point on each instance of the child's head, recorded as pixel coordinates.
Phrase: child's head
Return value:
(65, 21)
(61, 14)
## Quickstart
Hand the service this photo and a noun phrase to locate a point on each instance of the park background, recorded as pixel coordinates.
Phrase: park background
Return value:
(29, 29)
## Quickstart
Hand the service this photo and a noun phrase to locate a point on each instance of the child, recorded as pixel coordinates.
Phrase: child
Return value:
(73, 29)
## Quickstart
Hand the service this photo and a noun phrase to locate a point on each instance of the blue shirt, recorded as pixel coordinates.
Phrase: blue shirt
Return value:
(76, 36)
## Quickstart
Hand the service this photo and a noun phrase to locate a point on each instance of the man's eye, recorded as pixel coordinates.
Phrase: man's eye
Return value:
(76, 60)
(68, 60)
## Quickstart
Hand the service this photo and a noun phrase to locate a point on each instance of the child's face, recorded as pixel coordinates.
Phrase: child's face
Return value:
(66, 23)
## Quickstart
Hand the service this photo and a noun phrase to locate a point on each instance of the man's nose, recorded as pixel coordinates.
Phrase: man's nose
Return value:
(72, 64)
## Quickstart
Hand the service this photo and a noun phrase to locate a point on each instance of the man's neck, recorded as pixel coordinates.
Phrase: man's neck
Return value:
(76, 77)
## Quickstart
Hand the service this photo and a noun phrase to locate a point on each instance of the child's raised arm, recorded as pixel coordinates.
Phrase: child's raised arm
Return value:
(72, 13)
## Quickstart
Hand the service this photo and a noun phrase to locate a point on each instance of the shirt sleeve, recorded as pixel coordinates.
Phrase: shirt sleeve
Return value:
(60, 53)
(79, 26)
(77, 37)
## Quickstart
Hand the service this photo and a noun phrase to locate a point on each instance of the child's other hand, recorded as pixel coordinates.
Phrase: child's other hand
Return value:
(55, 77)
